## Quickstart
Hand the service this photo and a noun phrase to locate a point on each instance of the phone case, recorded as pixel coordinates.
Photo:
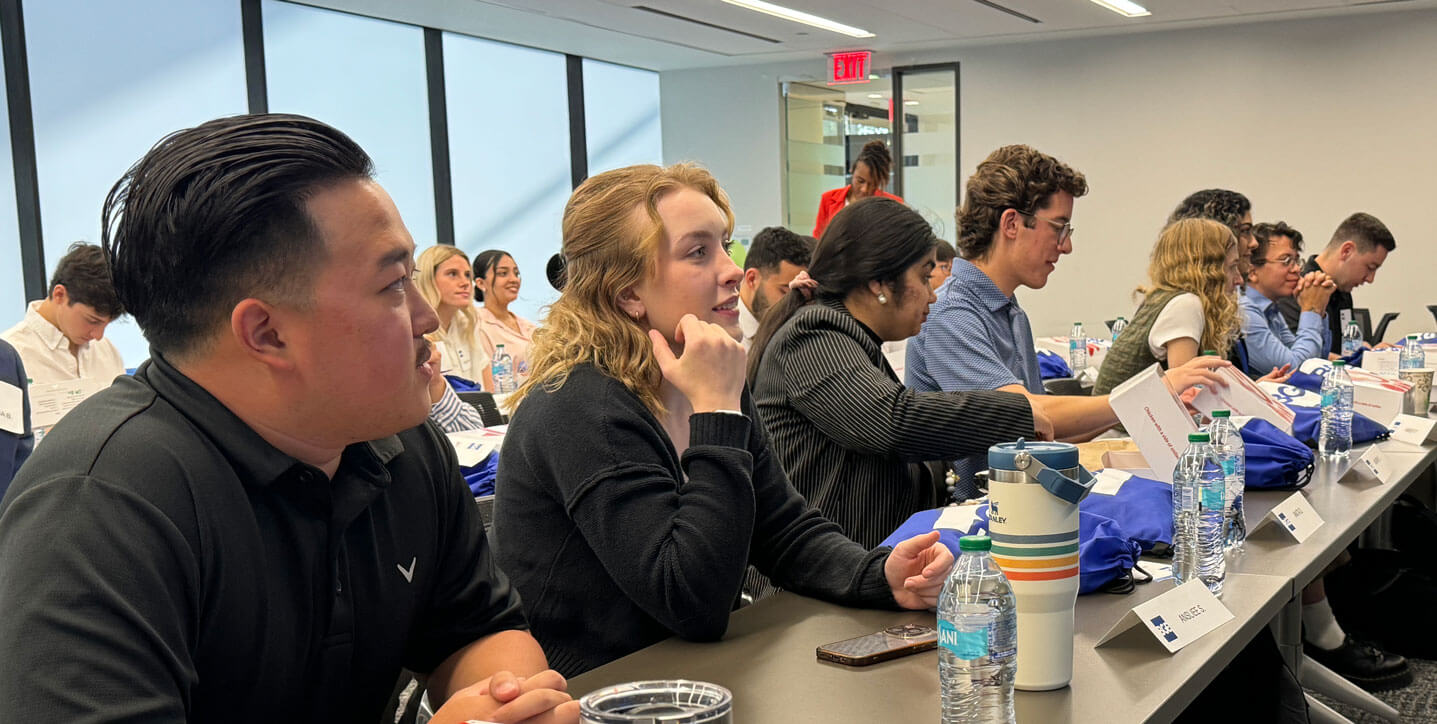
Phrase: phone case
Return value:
(884, 645)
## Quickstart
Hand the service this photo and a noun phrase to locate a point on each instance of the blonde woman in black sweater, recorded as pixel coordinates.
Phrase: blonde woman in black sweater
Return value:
(636, 483)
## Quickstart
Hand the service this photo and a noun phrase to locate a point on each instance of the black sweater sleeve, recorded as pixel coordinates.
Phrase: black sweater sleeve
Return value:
(676, 548)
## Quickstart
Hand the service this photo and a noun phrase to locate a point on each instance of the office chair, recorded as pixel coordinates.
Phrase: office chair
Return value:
(484, 403)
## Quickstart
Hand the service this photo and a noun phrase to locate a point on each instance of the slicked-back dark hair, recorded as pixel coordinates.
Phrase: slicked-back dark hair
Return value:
(775, 244)
(484, 262)
(1221, 205)
(876, 157)
(1264, 234)
(1366, 231)
(875, 239)
(216, 214)
(85, 275)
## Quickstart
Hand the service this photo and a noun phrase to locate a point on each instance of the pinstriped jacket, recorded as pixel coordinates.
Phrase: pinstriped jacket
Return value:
(850, 435)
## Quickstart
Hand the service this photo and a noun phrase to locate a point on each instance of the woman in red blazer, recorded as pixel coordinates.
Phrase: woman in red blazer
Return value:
(870, 175)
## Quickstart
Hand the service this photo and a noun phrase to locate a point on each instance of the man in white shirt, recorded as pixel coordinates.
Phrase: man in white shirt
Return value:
(774, 258)
(62, 336)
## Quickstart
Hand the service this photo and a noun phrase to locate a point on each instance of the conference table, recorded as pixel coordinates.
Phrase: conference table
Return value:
(767, 656)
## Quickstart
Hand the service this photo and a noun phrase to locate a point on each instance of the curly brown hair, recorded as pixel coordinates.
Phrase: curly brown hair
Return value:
(1012, 177)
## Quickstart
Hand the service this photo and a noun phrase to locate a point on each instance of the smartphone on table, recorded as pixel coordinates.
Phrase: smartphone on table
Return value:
(890, 643)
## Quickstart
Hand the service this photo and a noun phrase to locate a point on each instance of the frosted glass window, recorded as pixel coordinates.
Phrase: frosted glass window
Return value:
(509, 155)
(12, 276)
(621, 116)
(365, 77)
(108, 80)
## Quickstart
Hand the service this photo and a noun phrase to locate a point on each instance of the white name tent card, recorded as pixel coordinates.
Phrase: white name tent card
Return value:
(1176, 618)
(1243, 397)
(11, 409)
(1372, 465)
(1109, 481)
(472, 447)
(1156, 419)
(957, 517)
(1294, 515)
(1382, 362)
(1413, 430)
(49, 402)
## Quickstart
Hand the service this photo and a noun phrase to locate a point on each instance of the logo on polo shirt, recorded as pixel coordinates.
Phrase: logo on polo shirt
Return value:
(408, 574)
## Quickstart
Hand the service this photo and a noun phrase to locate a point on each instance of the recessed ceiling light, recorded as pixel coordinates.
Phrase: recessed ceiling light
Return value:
(799, 16)
(872, 76)
(875, 95)
(910, 103)
(1125, 8)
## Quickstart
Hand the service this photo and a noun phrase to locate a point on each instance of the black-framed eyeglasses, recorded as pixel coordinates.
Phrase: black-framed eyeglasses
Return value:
(1287, 260)
(1065, 231)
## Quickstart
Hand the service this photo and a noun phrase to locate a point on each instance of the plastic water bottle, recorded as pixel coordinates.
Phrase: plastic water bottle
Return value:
(1077, 348)
(1413, 357)
(1335, 440)
(977, 638)
(503, 370)
(1119, 325)
(1226, 441)
(1351, 339)
(1199, 499)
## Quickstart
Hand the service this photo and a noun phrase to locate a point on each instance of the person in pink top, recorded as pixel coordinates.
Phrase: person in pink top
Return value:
(496, 286)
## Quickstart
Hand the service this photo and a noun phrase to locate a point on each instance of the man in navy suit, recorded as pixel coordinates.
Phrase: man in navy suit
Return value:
(14, 447)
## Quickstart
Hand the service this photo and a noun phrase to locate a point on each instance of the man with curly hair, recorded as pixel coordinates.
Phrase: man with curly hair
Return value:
(1014, 226)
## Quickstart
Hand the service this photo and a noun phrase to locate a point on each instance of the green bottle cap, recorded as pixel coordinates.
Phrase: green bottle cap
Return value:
(1221, 413)
(1338, 363)
(975, 543)
(1198, 437)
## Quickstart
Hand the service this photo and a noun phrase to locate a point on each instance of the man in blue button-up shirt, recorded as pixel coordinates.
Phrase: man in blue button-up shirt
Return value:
(1274, 275)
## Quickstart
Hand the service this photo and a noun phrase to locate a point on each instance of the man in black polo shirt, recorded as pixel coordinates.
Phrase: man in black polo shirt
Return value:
(259, 525)
(1358, 249)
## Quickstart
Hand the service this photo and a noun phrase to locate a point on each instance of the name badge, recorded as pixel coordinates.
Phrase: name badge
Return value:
(1413, 430)
(1294, 515)
(11, 409)
(1109, 481)
(1176, 618)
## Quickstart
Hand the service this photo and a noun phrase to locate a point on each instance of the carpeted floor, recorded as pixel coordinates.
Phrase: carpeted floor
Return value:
(1416, 702)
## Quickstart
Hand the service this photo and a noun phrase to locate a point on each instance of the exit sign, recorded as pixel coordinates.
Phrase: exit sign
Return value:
(851, 67)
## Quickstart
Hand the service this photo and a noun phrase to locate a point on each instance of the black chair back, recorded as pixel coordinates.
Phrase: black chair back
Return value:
(484, 403)
(1380, 333)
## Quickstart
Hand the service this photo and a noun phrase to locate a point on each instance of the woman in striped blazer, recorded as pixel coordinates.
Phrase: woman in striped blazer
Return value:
(850, 436)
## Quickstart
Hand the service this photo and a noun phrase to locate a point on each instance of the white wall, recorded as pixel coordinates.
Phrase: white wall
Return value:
(1311, 119)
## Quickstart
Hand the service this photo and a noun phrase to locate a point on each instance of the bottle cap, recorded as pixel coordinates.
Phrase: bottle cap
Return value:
(1122, 319)
(1412, 336)
(975, 543)
(1338, 363)
(1198, 437)
(1221, 413)
(1076, 323)
(1209, 353)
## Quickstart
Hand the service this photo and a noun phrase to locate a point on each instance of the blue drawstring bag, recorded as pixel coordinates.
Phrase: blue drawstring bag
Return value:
(481, 477)
(461, 384)
(1423, 338)
(1052, 366)
(1106, 555)
(1302, 395)
(1275, 460)
(1143, 508)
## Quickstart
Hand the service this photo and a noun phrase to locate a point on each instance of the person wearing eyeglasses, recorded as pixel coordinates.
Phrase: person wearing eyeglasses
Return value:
(1276, 273)
(1015, 224)
(1357, 250)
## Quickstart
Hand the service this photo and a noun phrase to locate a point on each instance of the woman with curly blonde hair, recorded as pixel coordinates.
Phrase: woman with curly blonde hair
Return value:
(1189, 306)
(636, 484)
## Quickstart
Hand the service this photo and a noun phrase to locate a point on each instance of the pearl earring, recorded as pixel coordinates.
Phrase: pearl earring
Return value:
(882, 299)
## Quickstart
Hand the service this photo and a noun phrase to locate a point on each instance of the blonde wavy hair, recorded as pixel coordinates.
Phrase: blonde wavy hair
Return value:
(612, 232)
(1190, 256)
(425, 269)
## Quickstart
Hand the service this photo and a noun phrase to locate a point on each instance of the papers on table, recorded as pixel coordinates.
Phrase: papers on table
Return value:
(473, 447)
(1157, 420)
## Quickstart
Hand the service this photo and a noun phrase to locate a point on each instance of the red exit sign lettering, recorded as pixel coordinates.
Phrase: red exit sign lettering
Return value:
(852, 67)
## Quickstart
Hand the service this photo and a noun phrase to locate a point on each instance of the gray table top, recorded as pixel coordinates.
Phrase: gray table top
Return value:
(1346, 509)
(767, 658)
